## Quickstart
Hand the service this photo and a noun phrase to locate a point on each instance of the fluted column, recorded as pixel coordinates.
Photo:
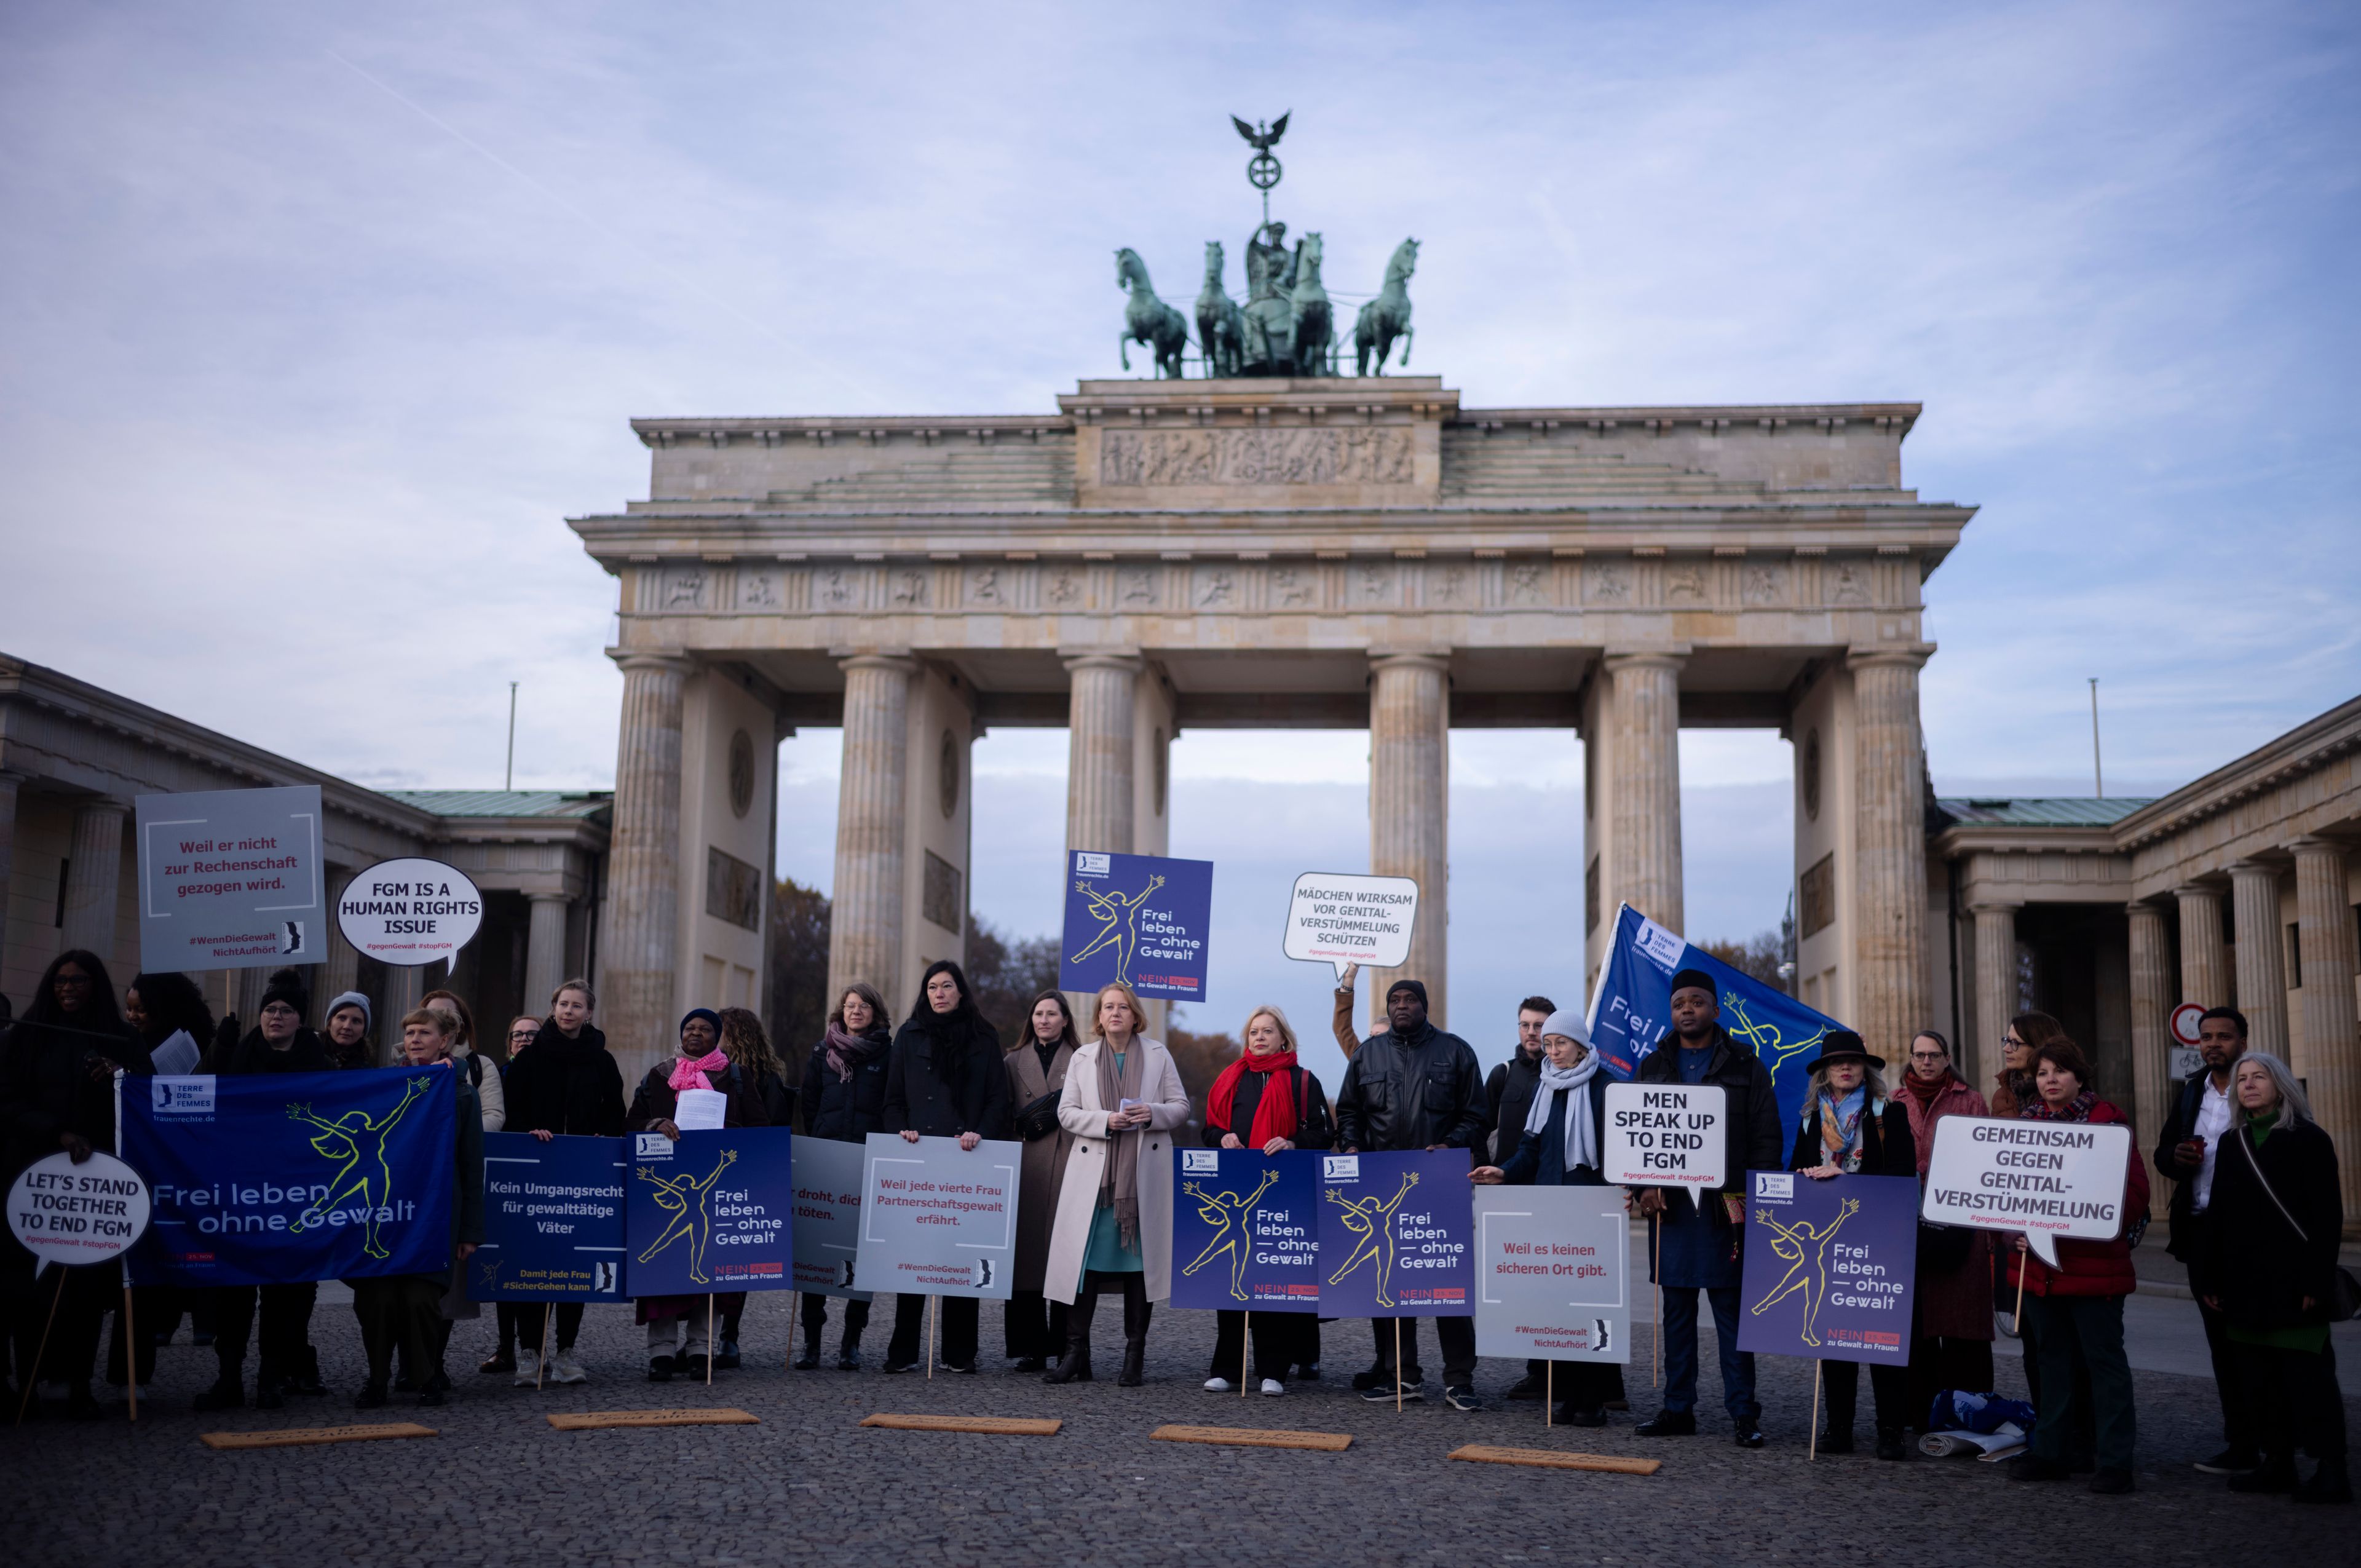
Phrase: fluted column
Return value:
(544, 950)
(2152, 1006)
(1995, 985)
(94, 878)
(1410, 808)
(2262, 978)
(404, 987)
(1100, 748)
(340, 970)
(9, 782)
(864, 938)
(638, 950)
(1889, 852)
(2331, 1063)
(1646, 757)
(2204, 967)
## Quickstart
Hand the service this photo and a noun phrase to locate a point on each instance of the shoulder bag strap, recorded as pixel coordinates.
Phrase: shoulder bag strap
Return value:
(2255, 1166)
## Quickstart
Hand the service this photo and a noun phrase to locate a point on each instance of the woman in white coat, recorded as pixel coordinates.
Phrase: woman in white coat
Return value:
(1123, 1101)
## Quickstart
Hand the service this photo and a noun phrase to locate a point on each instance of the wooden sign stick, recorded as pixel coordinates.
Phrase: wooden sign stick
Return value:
(130, 1351)
(709, 1339)
(33, 1375)
(1549, 1393)
(541, 1362)
(1657, 1351)
(1398, 1389)
(932, 1302)
(1812, 1451)
(795, 1314)
(1245, 1338)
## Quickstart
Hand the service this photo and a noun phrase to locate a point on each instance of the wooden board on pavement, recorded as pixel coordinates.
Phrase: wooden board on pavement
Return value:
(298, 1437)
(1003, 1426)
(1551, 1459)
(1254, 1437)
(598, 1420)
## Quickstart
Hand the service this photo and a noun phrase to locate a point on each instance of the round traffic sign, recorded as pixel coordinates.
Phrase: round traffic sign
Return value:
(409, 911)
(65, 1213)
(2185, 1018)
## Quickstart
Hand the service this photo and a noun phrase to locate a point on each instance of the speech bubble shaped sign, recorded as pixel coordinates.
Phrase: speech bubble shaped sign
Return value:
(2046, 1179)
(1337, 919)
(78, 1214)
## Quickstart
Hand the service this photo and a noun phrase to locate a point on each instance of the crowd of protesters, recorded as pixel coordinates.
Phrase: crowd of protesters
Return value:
(2255, 1213)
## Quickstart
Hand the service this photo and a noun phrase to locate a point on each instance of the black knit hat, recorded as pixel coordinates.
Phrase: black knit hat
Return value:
(1839, 1045)
(1416, 988)
(1695, 977)
(288, 986)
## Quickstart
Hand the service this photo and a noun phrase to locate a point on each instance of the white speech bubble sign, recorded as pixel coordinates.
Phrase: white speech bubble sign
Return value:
(1334, 918)
(410, 911)
(78, 1214)
(2044, 1180)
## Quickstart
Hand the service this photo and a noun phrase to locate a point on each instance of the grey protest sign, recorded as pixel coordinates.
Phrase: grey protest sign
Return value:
(1552, 1275)
(230, 879)
(938, 1220)
(827, 1217)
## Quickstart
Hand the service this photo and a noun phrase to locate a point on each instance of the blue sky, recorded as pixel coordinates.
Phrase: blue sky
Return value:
(321, 318)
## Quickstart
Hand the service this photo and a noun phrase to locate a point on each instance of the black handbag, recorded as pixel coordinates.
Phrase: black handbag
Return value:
(1039, 1119)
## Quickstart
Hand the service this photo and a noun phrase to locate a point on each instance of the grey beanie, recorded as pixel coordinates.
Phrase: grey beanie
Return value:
(1568, 1023)
(351, 999)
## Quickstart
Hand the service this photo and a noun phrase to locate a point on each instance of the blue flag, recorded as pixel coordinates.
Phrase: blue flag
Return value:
(1141, 919)
(276, 1178)
(1634, 1007)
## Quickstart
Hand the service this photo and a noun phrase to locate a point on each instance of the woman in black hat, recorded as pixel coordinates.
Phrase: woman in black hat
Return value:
(1850, 1128)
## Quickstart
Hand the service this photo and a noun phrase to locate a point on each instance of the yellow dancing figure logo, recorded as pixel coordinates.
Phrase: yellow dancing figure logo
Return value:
(1118, 917)
(366, 1171)
(1226, 1211)
(1371, 1219)
(1766, 1039)
(683, 1198)
(1805, 1253)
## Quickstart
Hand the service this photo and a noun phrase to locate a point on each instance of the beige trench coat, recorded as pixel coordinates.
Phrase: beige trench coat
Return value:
(1045, 1161)
(1080, 1113)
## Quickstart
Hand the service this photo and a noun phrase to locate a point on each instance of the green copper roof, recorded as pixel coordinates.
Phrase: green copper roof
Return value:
(505, 802)
(2040, 811)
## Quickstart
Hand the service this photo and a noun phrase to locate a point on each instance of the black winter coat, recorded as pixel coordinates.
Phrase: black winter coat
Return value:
(2180, 1126)
(1886, 1146)
(1509, 1094)
(1410, 1094)
(46, 1087)
(918, 1101)
(1523, 1165)
(656, 1100)
(2253, 1256)
(846, 1110)
(1750, 1113)
(306, 1053)
(571, 1087)
(1315, 1125)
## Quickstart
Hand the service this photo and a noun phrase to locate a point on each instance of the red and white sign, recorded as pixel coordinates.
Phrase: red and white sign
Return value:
(2185, 1019)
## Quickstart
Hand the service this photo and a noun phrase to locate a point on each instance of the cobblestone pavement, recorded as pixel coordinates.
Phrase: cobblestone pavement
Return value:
(499, 1485)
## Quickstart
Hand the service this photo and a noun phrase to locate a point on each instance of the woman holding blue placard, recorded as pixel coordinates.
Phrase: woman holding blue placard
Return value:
(844, 1101)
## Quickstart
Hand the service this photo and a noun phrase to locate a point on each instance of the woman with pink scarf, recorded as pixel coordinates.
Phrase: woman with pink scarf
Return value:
(700, 1065)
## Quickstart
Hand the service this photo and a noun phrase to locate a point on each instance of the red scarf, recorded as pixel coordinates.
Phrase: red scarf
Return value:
(1274, 1113)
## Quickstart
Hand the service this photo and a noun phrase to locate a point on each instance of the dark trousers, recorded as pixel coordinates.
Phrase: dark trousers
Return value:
(286, 1327)
(2240, 1432)
(148, 1303)
(1278, 1339)
(2082, 1438)
(1581, 1385)
(1681, 1354)
(2082, 1334)
(1936, 1363)
(2295, 1401)
(509, 1314)
(1889, 1386)
(959, 1321)
(1033, 1325)
(404, 1310)
(531, 1315)
(814, 1310)
(1455, 1335)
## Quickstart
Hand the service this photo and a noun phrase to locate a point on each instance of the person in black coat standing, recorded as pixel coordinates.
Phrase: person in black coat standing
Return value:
(844, 1101)
(944, 1079)
(2186, 1150)
(1850, 1128)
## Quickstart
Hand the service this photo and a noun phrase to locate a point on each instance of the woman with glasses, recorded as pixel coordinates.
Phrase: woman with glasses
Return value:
(1951, 1326)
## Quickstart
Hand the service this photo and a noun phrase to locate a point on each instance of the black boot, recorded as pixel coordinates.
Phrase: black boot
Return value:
(269, 1386)
(1838, 1439)
(1076, 1365)
(305, 1376)
(809, 1359)
(848, 1354)
(2332, 1483)
(1890, 1444)
(1136, 1311)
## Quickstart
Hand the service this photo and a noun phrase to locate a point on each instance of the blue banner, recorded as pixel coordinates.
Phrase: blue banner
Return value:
(1245, 1233)
(275, 1179)
(1829, 1267)
(1397, 1235)
(711, 1211)
(553, 1220)
(1633, 1007)
(1141, 919)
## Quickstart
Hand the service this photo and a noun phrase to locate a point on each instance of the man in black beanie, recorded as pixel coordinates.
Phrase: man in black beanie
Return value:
(1429, 1095)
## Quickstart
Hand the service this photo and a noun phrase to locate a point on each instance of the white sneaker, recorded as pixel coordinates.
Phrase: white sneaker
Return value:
(1219, 1386)
(528, 1371)
(564, 1369)
(1272, 1388)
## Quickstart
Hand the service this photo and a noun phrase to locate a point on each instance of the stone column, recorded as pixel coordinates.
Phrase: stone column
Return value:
(1644, 846)
(864, 940)
(94, 878)
(1890, 981)
(403, 988)
(9, 782)
(2204, 967)
(2262, 978)
(1995, 986)
(1098, 752)
(2331, 1063)
(544, 950)
(2152, 1004)
(638, 950)
(1409, 805)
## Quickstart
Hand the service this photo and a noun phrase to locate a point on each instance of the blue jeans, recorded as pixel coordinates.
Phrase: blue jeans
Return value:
(2077, 1334)
(1680, 1355)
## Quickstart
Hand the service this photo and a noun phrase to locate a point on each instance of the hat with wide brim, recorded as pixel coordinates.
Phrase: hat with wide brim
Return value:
(1839, 1045)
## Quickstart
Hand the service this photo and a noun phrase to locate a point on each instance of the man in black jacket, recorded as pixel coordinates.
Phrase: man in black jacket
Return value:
(2184, 1154)
(1509, 1099)
(1694, 1243)
(1414, 1087)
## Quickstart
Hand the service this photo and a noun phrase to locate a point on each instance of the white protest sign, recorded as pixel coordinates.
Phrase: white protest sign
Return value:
(938, 1220)
(2045, 1178)
(409, 911)
(65, 1213)
(828, 1216)
(1664, 1134)
(1337, 919)
(230, 879)
(1553, 1273)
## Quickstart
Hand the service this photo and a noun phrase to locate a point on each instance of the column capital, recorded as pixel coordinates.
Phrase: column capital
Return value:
(2193, 890)
(2313, 844)
(1910, 656)
(672, 660)
(1103, 659)
(1439, 663)
(102, 805)
(1986, 905)
(550, 897)
(2144, 906)
(2253, 866)
(901, 662)
(1642, 660)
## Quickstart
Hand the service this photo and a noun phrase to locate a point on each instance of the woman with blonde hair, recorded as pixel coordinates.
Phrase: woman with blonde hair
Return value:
(1123, 1100)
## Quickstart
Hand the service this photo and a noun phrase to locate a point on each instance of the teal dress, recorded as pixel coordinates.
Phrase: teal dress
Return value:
(1106, 1252)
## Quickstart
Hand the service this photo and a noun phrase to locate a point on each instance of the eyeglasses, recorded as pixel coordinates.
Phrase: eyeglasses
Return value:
(1931, 1056)
(523, 1034)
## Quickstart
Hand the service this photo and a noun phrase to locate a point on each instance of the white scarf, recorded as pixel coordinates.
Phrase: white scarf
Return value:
(1581, 1143)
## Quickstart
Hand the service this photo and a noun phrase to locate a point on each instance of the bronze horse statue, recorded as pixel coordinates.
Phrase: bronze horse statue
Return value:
(1148, 319)
(1221, 326)
(1387, 317)
(1310, 314)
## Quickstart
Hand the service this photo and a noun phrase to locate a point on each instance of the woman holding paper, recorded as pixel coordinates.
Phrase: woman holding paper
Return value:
(844, 1101)
(563, 1084)
(1033, 1328)
(1122, 1101)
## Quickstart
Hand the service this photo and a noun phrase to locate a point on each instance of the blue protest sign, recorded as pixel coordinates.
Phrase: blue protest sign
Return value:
(1141, 919)
(552, 1221)
(1633, 1007)
(1395, 1236)
(280, 1178)
(1244, 1232)
(712, 1210)
(1829, 1267)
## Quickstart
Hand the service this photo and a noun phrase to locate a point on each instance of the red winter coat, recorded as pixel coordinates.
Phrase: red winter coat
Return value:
(1954, 1302)
(2092, 1268)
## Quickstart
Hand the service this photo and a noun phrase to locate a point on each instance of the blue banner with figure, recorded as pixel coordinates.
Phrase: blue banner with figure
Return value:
(712, 1210)
(1397, 1235)
(275, 1179)
(1246, 1231)
(1633, 1007)
(1141, 919)
(553, 1220)
(1829, 1267)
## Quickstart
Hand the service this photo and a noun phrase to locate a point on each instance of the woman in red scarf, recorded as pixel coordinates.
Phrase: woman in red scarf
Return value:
(1263, 1100)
